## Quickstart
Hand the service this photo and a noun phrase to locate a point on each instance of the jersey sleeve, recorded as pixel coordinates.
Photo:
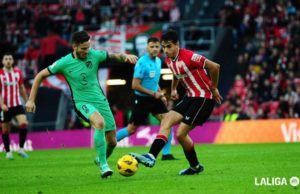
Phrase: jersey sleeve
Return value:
(21, 81)
(138, 70)
(101, 55)
(56, 67)
(197, 61)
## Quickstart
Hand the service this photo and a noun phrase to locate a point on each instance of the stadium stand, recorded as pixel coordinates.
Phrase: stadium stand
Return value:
(267, 72)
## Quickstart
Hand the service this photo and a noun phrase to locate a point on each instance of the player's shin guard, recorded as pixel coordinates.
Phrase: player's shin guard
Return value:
(5, 139)
(100, 145)
(158, 145)
(191, 156)
(22, 135)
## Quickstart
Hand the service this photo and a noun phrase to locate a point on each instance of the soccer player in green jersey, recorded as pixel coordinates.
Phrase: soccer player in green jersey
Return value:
(80, 69)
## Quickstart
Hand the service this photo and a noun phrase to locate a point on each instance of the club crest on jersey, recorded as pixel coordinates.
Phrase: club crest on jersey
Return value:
(196, 58)
(152, 74)
(89, 64)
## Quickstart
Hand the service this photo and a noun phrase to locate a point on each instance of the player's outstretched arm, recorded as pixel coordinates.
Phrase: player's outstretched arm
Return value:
(214, 70)
(30, 104)
(125, 58)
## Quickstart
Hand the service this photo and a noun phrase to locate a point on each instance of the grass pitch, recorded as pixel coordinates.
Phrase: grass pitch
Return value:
(228, 169)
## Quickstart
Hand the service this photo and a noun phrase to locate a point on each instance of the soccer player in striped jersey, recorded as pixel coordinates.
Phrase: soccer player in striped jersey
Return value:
(80, 69)
(12, 88)
(200, 77)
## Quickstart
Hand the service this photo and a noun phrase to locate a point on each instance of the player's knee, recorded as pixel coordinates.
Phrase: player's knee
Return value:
(166, 125)
(180, 137)
(5, 131)
(23, 125)
(99, 124)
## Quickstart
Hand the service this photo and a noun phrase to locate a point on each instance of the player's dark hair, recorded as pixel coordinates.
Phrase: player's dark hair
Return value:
(152, 39)
(170, 35)
(8, 53)
(80, 37)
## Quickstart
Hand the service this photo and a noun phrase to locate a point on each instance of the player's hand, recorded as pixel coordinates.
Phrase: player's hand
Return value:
(158, 95)
(30, 106)
(164, 99)
(174, 95)
(218, 98)
(131, 59)
(4, 107)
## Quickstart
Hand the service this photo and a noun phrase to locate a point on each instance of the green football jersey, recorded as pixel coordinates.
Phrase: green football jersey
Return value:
(82, 75)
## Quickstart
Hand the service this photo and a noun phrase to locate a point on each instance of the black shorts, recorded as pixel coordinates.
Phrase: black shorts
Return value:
(143, 106)
(12, 112)
(195, 111)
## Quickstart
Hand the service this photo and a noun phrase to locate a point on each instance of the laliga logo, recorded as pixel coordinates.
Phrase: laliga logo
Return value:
(294, 181)
(276, 181)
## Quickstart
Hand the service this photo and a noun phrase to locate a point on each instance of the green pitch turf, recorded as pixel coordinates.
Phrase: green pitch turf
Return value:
(228, 169)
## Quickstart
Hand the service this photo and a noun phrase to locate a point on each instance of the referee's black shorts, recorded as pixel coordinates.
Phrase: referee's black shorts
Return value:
(195, 110)
(143, 105)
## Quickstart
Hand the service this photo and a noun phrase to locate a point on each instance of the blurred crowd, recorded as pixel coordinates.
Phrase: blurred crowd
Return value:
(38, 31)
(267, 81)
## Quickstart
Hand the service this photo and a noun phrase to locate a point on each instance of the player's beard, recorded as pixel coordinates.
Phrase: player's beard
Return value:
(81, 55)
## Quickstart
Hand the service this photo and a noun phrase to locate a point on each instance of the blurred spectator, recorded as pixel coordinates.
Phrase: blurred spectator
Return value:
(42, 23)
(119, 116)
(174, 13)
(24, 15)
(269, 39)
(79, 17)
(31, 58)
(166, 7)
(140, 44)
(49, 48)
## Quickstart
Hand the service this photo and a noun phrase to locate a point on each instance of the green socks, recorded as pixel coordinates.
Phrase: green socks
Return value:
(100, 145)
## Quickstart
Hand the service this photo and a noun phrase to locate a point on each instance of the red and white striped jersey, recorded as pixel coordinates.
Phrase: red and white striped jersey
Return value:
(10, 87)
(188, 67)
